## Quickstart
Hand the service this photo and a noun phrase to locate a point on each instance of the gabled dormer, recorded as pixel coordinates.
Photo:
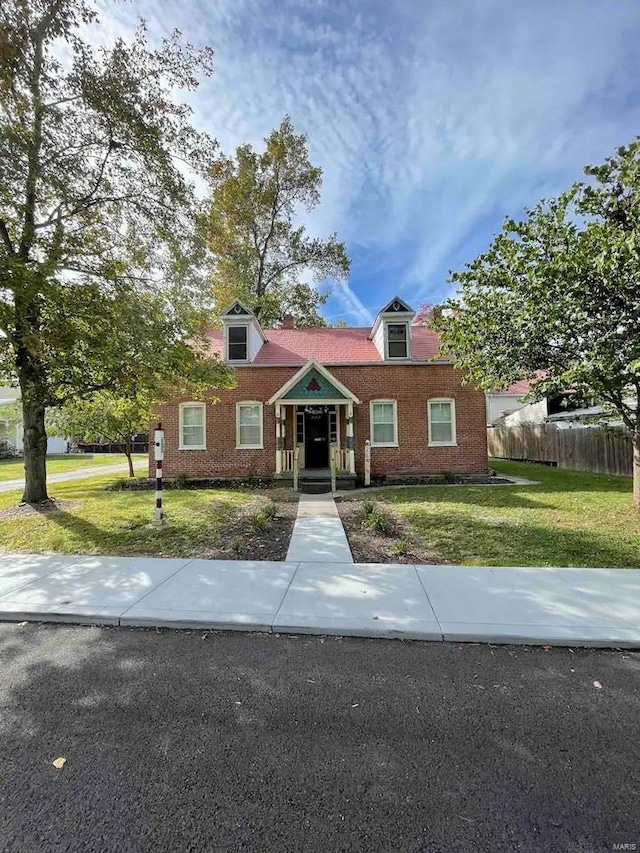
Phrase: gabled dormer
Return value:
(242, 334)
(391, 332)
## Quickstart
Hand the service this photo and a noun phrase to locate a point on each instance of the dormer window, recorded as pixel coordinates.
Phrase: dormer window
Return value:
(391, 332)
(237, 346)
(397, 340)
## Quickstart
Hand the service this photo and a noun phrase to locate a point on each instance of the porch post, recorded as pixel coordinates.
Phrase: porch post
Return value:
(279, 441)
(349, 439)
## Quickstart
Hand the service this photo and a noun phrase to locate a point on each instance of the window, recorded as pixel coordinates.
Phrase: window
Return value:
(397, 340)
(192, 426)
(249, 426)
(299, 427)
(442, 422)
(237, 343)
(384, 423)
(333, 426)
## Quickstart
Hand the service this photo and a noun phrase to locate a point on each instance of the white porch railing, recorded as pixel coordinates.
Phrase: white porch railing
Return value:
(342, 460)
(287, 461)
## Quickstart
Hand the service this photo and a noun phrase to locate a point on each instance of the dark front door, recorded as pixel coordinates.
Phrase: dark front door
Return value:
(316, 442)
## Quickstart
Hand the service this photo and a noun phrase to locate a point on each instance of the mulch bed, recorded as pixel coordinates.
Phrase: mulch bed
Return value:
(242, 540)
(29, 510)
(402, 546)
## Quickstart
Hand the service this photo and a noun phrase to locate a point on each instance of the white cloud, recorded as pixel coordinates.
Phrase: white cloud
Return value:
(428, 119)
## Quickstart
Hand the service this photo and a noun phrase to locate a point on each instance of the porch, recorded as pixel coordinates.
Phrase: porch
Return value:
(314, 430)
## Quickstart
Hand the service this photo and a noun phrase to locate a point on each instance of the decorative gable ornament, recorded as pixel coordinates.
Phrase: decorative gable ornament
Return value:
(237, 309)
(397, 306)
(314, 385)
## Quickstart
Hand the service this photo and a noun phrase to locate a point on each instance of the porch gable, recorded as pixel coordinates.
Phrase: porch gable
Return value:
(313, 382)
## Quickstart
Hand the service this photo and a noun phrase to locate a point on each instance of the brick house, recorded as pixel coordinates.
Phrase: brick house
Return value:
(324, 392)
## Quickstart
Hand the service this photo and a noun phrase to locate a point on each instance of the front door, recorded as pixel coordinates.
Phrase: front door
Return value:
(316, 442)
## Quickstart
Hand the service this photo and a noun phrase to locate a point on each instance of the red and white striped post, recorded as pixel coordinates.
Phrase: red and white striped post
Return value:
(158, 450)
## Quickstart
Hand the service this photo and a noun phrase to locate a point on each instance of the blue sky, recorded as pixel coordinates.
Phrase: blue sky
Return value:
(432, 119)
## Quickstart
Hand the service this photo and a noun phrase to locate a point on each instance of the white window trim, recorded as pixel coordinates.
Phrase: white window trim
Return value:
(407, 325)
(393, 443)
(236, 360)
(249, 446)
(181, 444)
(454, 439)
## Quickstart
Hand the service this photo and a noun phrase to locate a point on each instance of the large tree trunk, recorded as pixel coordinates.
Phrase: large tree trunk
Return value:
(32, 377)
(34, 439)
(636, 468)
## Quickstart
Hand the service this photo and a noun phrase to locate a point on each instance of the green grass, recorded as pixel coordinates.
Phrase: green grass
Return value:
(13, 469)
(116, 523)
(570, 519)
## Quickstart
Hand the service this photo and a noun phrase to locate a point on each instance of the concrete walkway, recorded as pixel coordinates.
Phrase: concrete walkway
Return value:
(79, 474)
(581, 607)
(318, 535)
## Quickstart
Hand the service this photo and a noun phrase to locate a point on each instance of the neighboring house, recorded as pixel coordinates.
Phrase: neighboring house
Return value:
(501, 403)
(325, 391)
(563, 412)
(12, 432)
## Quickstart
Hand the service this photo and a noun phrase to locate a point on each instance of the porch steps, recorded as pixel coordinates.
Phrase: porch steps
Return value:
(314, 487)
(318, 482)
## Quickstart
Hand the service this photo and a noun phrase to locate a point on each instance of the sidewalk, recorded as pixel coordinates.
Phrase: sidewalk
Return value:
(79, 474)
(581, 607)
(318, 535)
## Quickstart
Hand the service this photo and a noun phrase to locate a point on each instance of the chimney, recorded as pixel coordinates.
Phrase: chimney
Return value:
(287, 322)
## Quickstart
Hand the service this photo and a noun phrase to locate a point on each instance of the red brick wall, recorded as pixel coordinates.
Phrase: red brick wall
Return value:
(411, 386)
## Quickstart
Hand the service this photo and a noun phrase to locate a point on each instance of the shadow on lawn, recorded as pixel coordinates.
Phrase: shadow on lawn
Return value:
(507, 542)
(135, 535)
(484, 496)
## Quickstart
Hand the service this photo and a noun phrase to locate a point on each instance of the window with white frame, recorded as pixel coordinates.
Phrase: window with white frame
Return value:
(442, 422)
(397, 340)
(384, 423)
(249, 425)
(192, 426)
(333, 426)
(237, 346)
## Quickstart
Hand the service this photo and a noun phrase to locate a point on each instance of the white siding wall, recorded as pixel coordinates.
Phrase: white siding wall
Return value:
(534, 413)
(499, 404)
(378, 340)
(255, 341)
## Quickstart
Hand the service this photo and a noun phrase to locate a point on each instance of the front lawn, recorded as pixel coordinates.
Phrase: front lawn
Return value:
(13, 469)
(217, 523)
(569, 519)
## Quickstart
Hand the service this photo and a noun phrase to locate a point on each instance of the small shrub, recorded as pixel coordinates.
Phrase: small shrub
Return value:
(270, 510)
(368, 507)
(118, 485)
(259, 521)
(400, 548)
(237, 546)
(180, 481)
(449, 478)
(380, 522)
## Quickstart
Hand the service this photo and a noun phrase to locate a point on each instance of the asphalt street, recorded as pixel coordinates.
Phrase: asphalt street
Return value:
(179, 741)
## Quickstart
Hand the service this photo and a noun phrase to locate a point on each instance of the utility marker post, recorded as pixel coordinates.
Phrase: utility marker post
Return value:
(158, 449)
(367, 463)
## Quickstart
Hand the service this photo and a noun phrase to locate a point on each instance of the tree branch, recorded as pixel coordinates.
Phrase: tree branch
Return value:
(6, 239)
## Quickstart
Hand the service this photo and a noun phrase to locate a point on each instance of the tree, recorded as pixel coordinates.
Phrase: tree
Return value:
(117, 419)
(424, 314)
(258, 254)
(96, 215)
(556, 298)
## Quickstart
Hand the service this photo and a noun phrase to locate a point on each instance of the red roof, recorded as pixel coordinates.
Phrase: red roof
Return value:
(329, 346)
(519, 389)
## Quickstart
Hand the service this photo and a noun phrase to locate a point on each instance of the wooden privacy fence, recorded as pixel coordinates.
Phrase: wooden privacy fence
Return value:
(603, 451)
